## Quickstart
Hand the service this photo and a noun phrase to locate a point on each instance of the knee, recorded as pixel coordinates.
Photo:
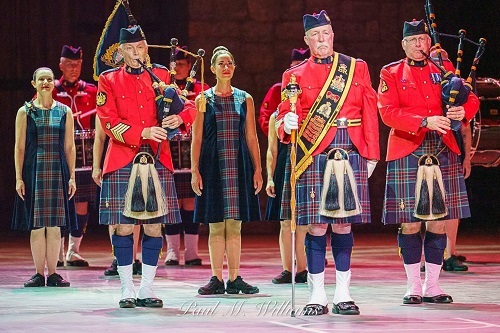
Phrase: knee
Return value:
(410, 228)
(317, 229)
(341, 229)
(436, 227)
(152, 230)
(124, 230)
(233, 228)
(286, 226)
(217, 229)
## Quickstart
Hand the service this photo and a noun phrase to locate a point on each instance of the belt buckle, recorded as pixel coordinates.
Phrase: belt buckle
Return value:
(342, 122)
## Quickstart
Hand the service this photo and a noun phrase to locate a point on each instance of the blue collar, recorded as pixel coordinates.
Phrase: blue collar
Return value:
(135, 71)
(327, 60)
(415, 63)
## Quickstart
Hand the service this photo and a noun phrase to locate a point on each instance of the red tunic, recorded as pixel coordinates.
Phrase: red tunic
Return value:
(126, 105)
(406, 95)
(269, 105)
(80, 98)
(361, 103)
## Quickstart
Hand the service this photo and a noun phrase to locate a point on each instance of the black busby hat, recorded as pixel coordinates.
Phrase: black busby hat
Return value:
(70, 52)
(300, 54)
(131, 35)
(315, 20)
(179, 55)
(414, 28)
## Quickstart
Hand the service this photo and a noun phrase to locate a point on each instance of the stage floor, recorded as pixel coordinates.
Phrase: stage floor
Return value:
(378, 285)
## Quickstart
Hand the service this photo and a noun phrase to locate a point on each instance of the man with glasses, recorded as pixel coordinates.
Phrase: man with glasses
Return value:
(421, 139)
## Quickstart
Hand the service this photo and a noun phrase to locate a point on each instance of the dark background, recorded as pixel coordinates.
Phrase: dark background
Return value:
(261, 34)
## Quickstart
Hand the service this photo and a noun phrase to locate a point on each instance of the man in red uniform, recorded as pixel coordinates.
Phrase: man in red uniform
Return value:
(127, 111)
(421, 139)
(273, 96)
(185, 193)
(80, 96)
(336, 109)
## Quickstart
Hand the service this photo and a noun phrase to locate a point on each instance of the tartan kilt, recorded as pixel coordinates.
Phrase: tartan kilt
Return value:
(401, 177)
(114, 187)
(85, 186)
(183, 185)
(310, 184)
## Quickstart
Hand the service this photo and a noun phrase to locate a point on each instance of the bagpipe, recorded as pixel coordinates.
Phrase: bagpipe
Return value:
(454, 90)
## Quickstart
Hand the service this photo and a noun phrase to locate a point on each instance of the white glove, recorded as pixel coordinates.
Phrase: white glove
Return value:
(371, 164)
(291, 122)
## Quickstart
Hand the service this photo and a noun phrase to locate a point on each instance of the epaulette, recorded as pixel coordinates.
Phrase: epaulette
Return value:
(393, 63)
(159, 66)
(110, 70)
(303, 62)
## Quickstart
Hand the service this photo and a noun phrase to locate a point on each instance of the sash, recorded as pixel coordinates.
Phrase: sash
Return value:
(324, 111)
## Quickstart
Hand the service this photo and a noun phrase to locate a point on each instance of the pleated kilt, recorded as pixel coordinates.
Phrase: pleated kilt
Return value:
(85, 186)
(400, 186)
(114, 188)
(183, 185)
(273, 207)
(310, 184)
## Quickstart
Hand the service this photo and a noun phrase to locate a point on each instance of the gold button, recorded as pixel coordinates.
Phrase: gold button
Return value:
(140, 91)
(137, 78)
(426, 96)
(425, 82)
(430, 111)
(140, 106)
(404, 88)
(143, 121)
(123, 96)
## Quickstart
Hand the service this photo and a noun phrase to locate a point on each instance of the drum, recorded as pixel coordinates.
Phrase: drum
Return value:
(486, 125)
(180, 149)
(84, 142)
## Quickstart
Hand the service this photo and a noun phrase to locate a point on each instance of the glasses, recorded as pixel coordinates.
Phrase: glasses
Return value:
(413, 40)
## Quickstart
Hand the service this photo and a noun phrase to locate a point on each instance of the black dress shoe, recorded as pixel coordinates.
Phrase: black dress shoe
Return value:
(461, 258)
(171, 262)
(127, 303)
(283, 277)
(412, 299)
(301, 277)
(193, 262)
(213, 287)
(77, 263)
(112, 269)
(454, 264)
(56, 280)
(150, 302)
(60, 263)
(137, 267)
(234, 287)
(345, 308)
(315, 310)
(443, 298)
(37, 280)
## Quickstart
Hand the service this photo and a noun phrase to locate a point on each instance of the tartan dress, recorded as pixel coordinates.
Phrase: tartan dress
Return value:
(225, 163)
(45, 173)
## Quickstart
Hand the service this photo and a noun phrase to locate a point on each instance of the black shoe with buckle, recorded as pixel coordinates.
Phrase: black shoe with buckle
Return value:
(56, 280)
(137, 267)
(193, 262)
(453, 264)
(301, 277)
(234, 287)
(127, 303)
(412, 299)
(283, 277)
(171, 262)
(37, 280)
(150, 302)
(442, 298)
(112, 269)
(315, 310)
(345, 308)
(213, 287)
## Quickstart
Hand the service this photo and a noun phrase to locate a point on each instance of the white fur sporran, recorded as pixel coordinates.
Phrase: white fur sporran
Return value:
(430, 203)
(145, 198)
(339, 196)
